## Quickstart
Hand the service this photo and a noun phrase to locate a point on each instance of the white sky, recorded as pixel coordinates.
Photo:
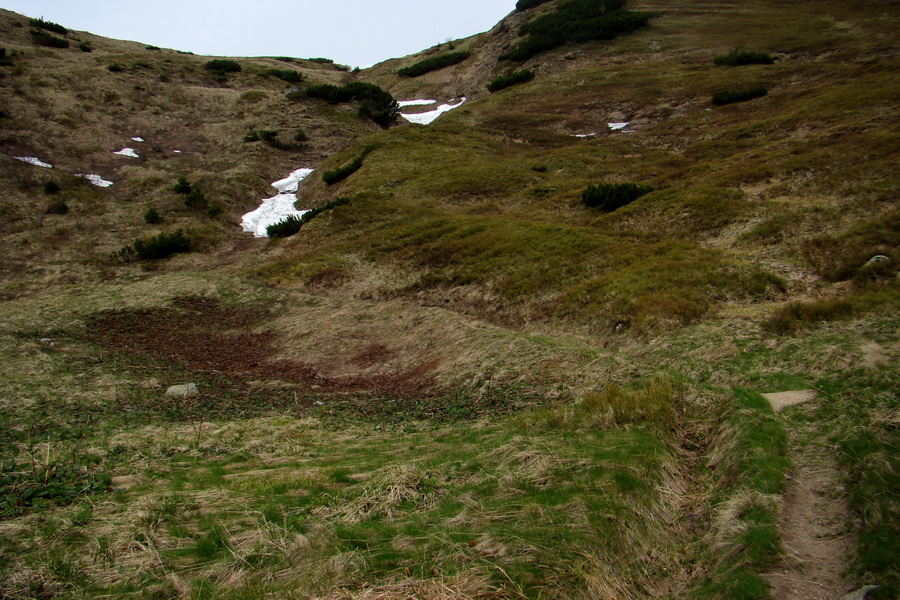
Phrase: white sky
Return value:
(352, 32)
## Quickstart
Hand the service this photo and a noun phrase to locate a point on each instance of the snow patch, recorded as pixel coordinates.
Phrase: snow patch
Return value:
(177, 151)
(95, 179)
(404, 103)
(277, 208)
(129, 152)
(427, 117)
(617, 126)
(137, 139)
(33, 160)
(584, 135)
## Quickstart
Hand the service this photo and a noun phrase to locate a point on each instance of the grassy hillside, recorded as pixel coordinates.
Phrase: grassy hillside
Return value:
(459, 380)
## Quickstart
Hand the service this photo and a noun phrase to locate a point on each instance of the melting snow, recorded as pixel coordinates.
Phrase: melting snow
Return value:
(427, 117)
(404, 103)
(617, 126)
(32, 160)
(584, 135)
(177, 151)
(96, 180)
(137, 139)
(277, 208)
(127, 152)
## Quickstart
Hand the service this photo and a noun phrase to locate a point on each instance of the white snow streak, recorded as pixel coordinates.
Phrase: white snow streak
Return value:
(617, 126)
(277, 208)
(137, 139)
(427, 117)
(32, 160)
(129, 152)
(404, 103)
(95, 179)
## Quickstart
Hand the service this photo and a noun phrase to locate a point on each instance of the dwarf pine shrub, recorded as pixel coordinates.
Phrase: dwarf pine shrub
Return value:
(433, 64)
(222, 66)
(723, 97)
(48, 25)
(526, 4)
(85, 47)
(505, 81)
(288, 75)
(45, 39)
(292, 224)
(576, 21)
(182, 186)
(51, 187)
(152, 216)
(4, 60)
(161, 246)
(739, 58)
(610, 196)
(375, 103)
(58, 207)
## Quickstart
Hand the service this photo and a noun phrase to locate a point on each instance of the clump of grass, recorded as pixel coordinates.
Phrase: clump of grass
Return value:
(738, 57)
(505, 81)
(838, 257)
(795, 316)
(5, 61)
(433, 64)
(723, 97)
(576, 21)
(114, 68)
(610, 196)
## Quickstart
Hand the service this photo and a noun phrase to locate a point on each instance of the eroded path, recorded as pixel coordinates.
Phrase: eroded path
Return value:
(815, 526)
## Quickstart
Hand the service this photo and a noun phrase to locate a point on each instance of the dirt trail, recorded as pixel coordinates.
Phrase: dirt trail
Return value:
(815, 524)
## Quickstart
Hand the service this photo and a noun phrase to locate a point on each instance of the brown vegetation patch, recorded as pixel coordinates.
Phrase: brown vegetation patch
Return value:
(204, 336)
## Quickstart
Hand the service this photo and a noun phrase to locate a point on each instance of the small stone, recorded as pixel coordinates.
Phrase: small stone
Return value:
(183, 390)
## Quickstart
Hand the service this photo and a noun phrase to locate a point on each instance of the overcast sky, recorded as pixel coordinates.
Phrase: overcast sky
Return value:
(352, 32)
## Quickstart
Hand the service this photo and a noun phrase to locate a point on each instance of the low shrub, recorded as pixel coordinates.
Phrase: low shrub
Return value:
(343, 172)
(321, 61)
(301, 136)
(48, 25)
(51, 187)
(45, 39)
(292, 224)
(288, 75)
(376, 103)
(58, 207)
(505, 81)
(526, 4)
(157, 247)
(5, 61)
(738, 58)
(576, 21)
(222, 66)
(195, 199)
(723, 97)
(182, 186)
(610, 196)
(433, 64)
(115, 68)
(84, 47)
(152, 216)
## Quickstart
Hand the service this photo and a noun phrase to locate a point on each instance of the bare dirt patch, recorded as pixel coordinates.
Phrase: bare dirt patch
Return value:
(781, 400)
(815, 527)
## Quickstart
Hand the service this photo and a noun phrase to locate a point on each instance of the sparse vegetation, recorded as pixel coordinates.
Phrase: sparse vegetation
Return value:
(42, 38)
(611, 196)
(576, 21)
(48, 26)
(51, 187)
(723, 97)
(433, 63)
(738, 57)
(58, 207)
(505, 81)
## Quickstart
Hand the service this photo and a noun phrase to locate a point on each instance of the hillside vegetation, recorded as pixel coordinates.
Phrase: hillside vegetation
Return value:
(518, 353)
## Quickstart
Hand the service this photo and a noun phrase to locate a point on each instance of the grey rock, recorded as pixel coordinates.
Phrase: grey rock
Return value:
(860, 594)
(876, 260)
(183, 391)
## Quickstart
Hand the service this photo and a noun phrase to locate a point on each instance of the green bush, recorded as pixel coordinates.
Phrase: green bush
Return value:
(301, 136)
(505, 81)
(4, 60)
(159, 246)
(288, 75)
(222, 66)
(115, 68)
(152, 216)
(48, 25)
(292, 224)
(84, 47)
(51, 187)
(45, 39)
(433, 64)
(610, 196)
(739, 58)
(343, 172)
(321, 61)
(576, 21)
(376, 103)
(723, 97)
(182, 186)
(195, 199)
